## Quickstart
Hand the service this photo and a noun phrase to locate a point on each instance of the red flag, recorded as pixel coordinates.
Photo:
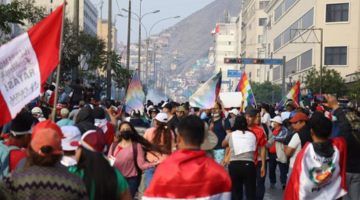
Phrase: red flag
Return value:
(316, 177)
(187, 174)
(26, 62)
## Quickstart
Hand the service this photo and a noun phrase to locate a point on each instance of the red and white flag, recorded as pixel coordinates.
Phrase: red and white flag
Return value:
(26, 62)
(189, 175)
(215, 30)
(317, 177)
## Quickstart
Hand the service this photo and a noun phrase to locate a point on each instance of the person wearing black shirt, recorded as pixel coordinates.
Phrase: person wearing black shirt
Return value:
(172, 119)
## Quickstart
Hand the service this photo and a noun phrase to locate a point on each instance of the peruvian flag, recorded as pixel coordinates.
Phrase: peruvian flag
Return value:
(215, 30)
(26, 62)
(189, 175)
(317, 177)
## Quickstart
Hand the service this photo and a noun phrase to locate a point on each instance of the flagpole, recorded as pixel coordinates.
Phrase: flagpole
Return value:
(58, 68)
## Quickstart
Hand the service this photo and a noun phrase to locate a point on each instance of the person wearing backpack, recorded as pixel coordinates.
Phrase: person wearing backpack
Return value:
(128, 153)
(12, 151)
(220, 126)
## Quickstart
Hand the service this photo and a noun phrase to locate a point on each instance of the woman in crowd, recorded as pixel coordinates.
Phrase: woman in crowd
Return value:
(161, 136)
(40, 179)
(101, 180)
(128, 154)
(242, 170)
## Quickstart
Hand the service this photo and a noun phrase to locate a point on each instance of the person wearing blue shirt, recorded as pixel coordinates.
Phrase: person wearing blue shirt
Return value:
(220, 127)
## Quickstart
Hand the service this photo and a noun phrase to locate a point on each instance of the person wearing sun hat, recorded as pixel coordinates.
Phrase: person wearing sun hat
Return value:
(102, 181)
(188, 173)
(43, 154)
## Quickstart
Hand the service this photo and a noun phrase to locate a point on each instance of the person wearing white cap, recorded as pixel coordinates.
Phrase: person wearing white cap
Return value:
(277, 154)
(37, 112)
(71, 133)
(233, 113)
(162, 136)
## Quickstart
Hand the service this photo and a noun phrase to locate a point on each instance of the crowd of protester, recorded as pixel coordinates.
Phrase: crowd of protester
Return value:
(92, 149)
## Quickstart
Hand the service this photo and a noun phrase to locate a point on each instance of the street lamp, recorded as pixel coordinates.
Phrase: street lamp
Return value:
(140, 18)
(148, 41)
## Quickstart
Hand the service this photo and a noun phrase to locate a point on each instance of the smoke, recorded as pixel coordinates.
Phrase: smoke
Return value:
(155, 98)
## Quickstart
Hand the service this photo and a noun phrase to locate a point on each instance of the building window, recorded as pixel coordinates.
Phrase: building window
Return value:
(335, 55)
(277, 42)
(291, 66)
(51, 1)
(288, 4)
(269, 49)
(276, 73)
(263, 4)
(337, 12)
(262, 21)
(258, 72)
(278, 12)
(308, 19)
(306, 60)
(51, 10)
(260, 39)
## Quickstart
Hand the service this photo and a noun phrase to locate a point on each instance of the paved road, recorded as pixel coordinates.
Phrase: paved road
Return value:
(274, 193)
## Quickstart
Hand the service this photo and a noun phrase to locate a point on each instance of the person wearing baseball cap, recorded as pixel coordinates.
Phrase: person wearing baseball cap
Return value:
(180, 112)
(172, 118)
(160, 135)
(189, 173)
(65, 121)
(299, 139)
(233, 113)
(71, 133)
(41, 178)
(101, 179)
(276, 154)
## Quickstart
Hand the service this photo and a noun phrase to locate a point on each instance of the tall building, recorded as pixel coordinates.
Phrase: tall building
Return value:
(293, 31)
(252, 40)
(225, 47)
(102, 32)
(87, 13)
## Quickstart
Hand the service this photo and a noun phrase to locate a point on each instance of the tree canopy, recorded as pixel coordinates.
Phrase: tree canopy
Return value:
(332, 82)
(264, 92)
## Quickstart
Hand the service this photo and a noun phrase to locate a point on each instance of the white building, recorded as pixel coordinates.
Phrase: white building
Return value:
(225, 47)
(87, 12)
(252, 39)
(287, 21)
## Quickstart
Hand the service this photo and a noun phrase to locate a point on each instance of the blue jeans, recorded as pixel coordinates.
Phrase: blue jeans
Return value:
(149, 173)
(133, 185)
(260, 182)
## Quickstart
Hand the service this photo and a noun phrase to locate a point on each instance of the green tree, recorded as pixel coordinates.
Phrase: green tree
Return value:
(266, 91)
(11, 13)
(354, 91)
(20, 12)
(332, 82)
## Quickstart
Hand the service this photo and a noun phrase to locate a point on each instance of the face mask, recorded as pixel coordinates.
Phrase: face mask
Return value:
(215, 114)
(126, 134)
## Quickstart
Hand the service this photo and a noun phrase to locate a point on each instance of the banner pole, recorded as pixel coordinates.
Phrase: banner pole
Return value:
(58, 68)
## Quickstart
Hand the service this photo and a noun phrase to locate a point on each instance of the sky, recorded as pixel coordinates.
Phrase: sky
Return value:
(168, 8)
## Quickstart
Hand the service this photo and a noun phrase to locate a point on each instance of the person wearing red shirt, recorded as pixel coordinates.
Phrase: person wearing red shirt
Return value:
(261, 142)
(19, 139)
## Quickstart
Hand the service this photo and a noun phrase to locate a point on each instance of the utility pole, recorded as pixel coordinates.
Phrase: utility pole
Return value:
(75, 70)
(108, 70)
(128, 38)
(139, 50)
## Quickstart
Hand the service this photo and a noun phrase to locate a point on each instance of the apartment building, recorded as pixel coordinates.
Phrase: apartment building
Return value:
(253, 21)
(225, 47)
(102, 32)
(87, 12)
(294, 30)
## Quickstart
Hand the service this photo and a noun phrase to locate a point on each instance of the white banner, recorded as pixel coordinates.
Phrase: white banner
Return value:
(231, 99)
(19, 73)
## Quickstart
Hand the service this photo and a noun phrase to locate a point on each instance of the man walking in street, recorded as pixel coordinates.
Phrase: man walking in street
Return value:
(205, 180)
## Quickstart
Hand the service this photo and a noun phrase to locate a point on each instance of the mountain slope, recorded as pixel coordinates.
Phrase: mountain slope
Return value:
(192, 36)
